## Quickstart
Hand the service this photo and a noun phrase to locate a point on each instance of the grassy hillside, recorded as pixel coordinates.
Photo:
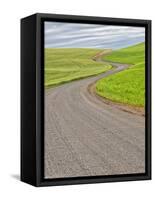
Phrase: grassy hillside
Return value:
(127, 86)
(67, 64)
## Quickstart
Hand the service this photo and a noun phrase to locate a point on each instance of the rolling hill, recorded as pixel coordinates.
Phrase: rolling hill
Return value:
(127, 86)
(67, 64)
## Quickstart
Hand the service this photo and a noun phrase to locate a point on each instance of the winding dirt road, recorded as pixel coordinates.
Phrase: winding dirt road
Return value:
(86, 137)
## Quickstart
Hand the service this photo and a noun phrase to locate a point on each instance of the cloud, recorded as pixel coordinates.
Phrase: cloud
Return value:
(74, 35)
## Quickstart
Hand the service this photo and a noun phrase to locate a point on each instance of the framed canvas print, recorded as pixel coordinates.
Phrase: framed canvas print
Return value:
(85, 99)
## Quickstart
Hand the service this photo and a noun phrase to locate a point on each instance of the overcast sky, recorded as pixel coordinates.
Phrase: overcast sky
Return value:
(73, 35)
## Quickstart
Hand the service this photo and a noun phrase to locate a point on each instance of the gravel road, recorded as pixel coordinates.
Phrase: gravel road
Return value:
(86, 137)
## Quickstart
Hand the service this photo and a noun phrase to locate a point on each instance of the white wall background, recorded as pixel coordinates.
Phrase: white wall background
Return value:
(10, 14)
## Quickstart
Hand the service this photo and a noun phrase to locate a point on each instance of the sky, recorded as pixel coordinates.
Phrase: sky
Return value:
(74, 35)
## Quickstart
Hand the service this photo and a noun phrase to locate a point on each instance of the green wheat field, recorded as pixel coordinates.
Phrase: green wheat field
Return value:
(127, 86)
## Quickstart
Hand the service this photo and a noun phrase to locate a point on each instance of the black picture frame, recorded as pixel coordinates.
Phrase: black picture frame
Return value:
(32, 99)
